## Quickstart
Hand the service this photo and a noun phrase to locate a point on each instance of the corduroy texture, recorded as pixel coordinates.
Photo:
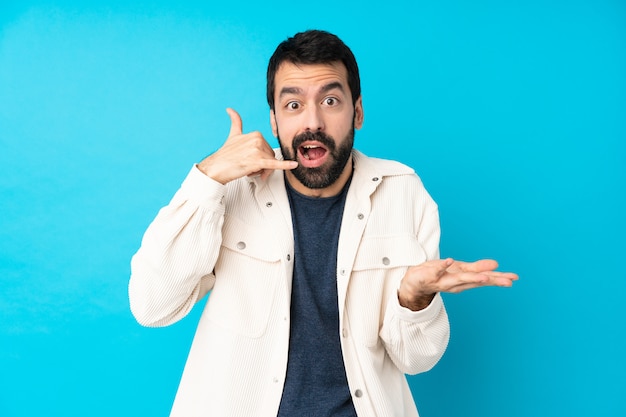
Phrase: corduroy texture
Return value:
(236, 240)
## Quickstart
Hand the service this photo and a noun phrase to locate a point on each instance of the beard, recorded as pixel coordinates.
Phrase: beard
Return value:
(326, 174)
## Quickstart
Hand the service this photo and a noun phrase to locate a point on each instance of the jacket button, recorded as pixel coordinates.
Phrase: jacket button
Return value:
(288, 257)
(268, 204)
(241, 245)
(386, 261)
(358, 393)
(375, 179)
(360, 216)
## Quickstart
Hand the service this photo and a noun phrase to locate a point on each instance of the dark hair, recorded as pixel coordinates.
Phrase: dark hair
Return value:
(313, 47)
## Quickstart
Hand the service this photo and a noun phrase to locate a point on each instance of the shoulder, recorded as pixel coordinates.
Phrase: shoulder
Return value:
(385, 170)
(385, 167)
(393, 180)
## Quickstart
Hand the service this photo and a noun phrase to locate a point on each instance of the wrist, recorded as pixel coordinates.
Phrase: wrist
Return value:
(415, 302)
(212, 170)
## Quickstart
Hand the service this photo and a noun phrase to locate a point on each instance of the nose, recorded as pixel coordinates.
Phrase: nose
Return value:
(313, 120)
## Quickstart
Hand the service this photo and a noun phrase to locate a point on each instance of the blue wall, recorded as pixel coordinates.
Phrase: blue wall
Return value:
(512, 112)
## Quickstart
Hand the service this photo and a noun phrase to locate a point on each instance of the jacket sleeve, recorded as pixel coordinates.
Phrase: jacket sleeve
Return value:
(416, 340)
(173, 267)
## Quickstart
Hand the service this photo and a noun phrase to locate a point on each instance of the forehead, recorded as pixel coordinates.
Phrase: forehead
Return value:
(310, 75)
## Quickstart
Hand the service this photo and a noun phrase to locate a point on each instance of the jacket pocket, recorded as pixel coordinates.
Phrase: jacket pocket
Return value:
(246, 276)
(380, 264)
(388, 252)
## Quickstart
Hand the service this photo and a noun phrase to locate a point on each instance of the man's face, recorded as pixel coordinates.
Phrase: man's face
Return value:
(314, 120)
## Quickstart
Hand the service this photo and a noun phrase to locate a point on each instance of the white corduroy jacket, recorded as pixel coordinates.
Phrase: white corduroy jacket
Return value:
(236, 240)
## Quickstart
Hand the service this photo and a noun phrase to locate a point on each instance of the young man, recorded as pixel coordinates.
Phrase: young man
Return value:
(322, 262)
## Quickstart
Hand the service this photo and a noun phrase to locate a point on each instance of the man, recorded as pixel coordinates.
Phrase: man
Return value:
(322, 262)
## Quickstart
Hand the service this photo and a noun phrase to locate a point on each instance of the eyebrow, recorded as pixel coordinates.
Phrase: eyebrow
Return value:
(331, 86)
(325, 88)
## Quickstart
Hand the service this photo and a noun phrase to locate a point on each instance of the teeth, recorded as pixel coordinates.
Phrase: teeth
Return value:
(305, 152)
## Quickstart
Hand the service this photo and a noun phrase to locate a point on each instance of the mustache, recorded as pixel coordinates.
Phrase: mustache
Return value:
(320, 137)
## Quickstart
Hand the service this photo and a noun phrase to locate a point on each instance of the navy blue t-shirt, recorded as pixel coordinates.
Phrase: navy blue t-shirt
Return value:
(316, 383)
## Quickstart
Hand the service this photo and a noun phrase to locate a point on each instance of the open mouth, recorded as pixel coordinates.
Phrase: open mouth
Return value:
(312, 152)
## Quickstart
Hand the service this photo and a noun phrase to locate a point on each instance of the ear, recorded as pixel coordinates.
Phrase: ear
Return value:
(358, 113)
(273, 123)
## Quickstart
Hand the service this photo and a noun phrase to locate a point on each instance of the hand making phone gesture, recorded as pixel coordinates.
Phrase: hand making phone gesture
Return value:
(242, 154)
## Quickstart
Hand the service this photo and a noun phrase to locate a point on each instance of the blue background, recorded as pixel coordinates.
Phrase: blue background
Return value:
(512, 112)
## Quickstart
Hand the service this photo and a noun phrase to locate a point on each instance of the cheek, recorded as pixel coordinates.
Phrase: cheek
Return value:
(285, 130)
(342, 128)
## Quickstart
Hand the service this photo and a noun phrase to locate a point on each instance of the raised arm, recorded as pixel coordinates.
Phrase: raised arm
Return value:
(173, 268)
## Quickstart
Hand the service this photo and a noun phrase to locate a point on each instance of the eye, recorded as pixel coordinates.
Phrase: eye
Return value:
(330, 101)
(293, 105)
